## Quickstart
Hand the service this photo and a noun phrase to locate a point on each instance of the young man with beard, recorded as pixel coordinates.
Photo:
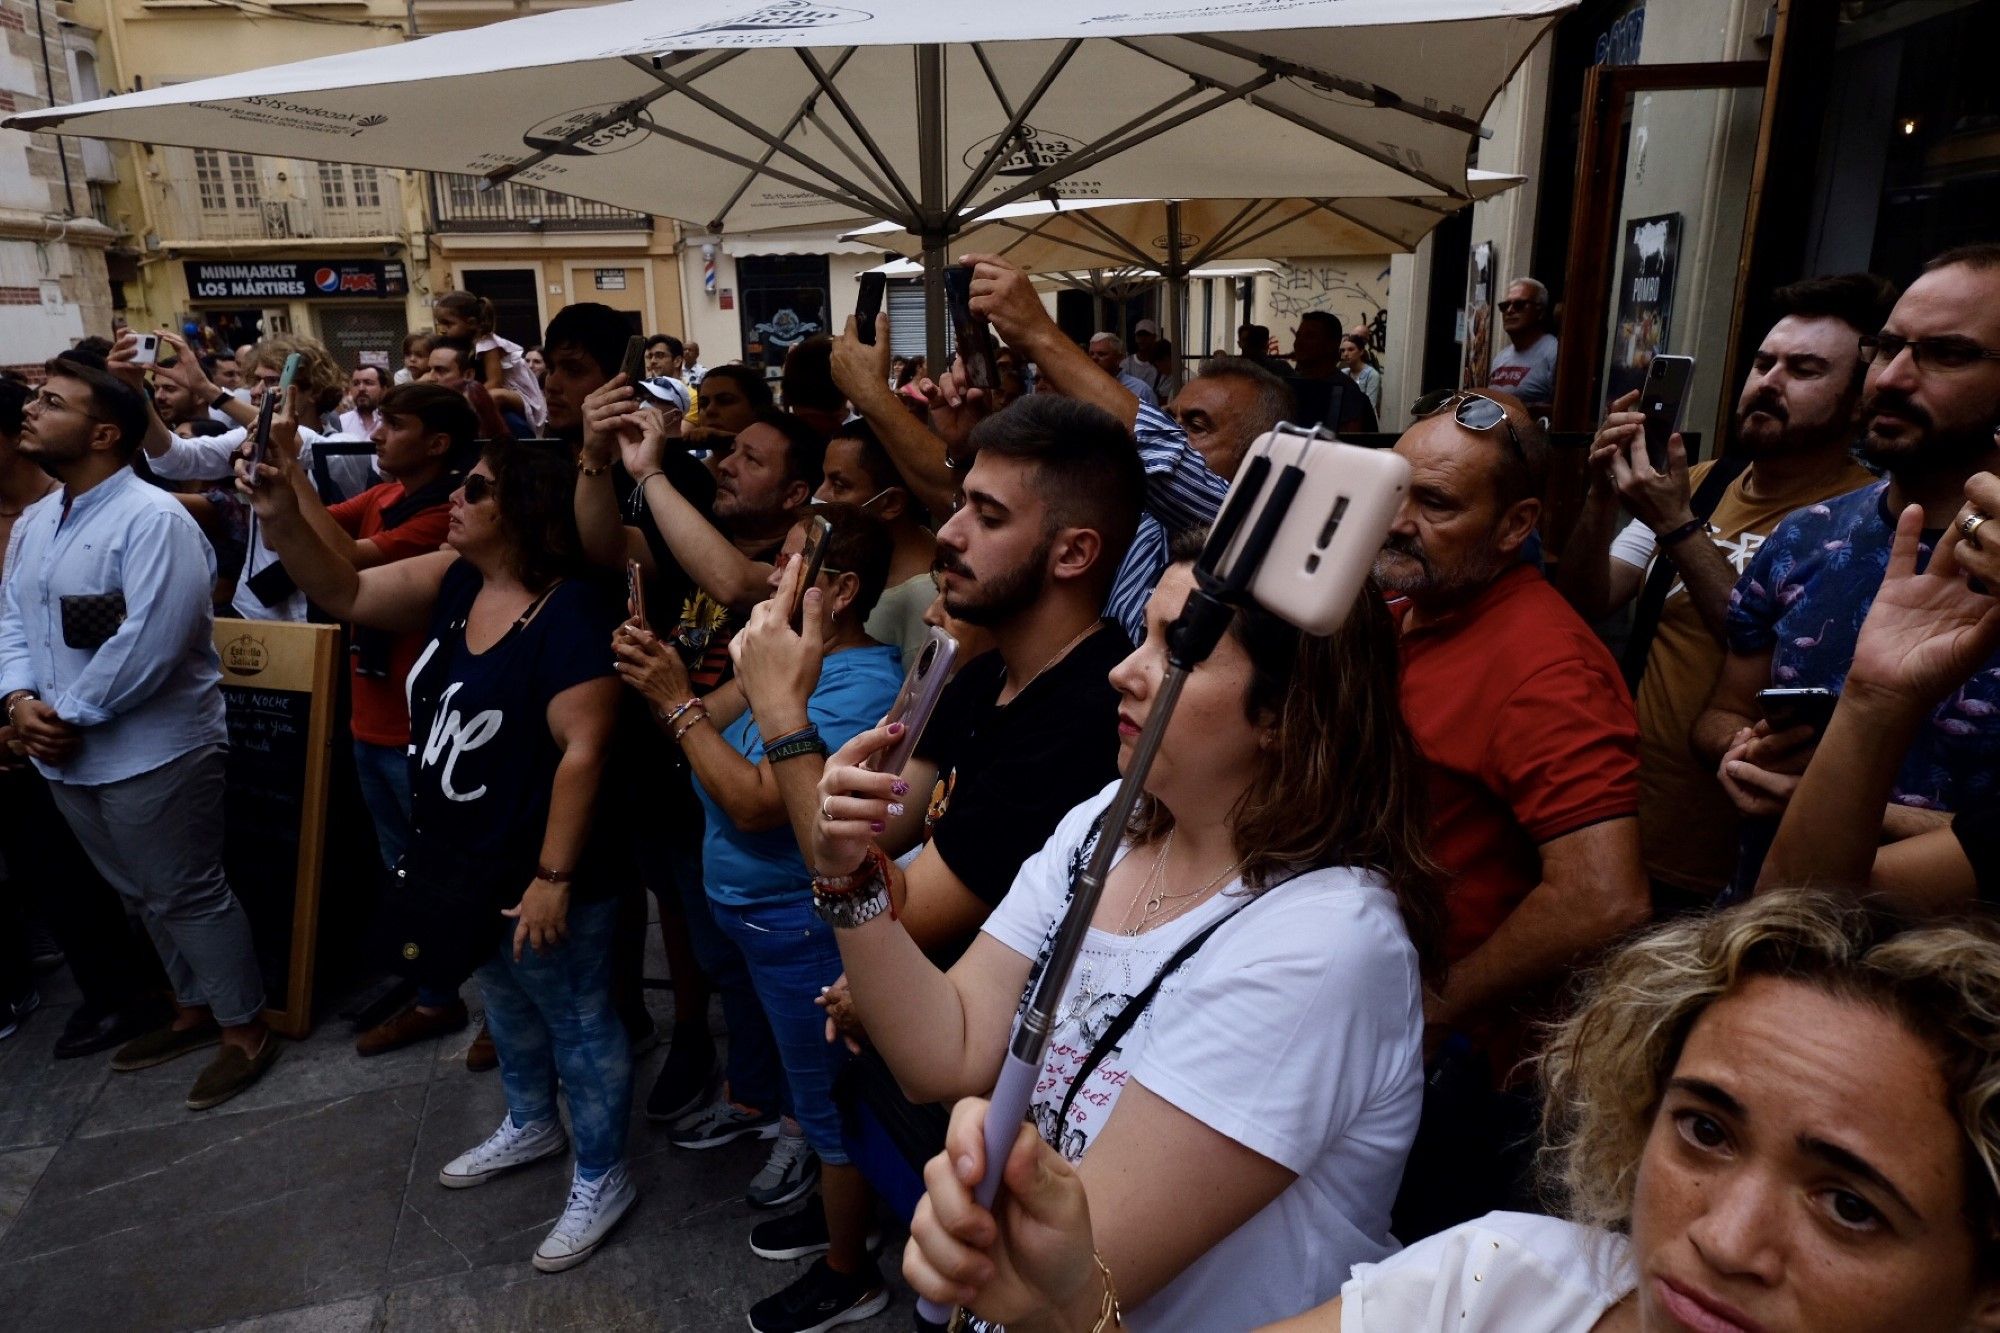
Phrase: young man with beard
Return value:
(1928, 412)
(109, 677)
(364, 390)
(1532, 747)
(1796, 421)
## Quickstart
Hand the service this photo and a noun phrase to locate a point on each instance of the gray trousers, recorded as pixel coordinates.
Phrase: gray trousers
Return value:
(157, 838)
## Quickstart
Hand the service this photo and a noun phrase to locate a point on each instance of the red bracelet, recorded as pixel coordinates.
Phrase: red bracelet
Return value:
(874, 867)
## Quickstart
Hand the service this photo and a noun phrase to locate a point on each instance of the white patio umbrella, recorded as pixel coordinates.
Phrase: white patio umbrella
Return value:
(746, 116)
(1170, 238)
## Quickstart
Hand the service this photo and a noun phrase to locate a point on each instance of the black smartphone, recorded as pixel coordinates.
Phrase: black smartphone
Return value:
(812, 555)
(634, 367)
(260, 441)
(1661, 399)
(867, 305)
(974, 334)
(1786, 709)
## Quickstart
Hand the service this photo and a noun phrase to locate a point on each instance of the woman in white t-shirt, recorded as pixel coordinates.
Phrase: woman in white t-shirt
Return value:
(500, 364)
(1244, 1139)
(1784, 1117)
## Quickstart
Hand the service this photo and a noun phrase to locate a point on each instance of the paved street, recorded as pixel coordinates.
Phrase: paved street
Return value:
(311, 1203)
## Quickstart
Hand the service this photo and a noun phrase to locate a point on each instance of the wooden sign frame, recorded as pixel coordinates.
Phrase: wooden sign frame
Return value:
(293, 658)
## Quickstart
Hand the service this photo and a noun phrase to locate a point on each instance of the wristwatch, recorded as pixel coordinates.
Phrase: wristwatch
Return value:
(221, 396)
(7, 704)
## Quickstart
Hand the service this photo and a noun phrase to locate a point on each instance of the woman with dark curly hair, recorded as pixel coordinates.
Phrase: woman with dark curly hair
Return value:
(1784, 1117)
(511, 709)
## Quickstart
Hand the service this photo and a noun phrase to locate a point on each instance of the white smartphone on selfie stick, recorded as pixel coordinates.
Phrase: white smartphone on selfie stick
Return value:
(1297, 535)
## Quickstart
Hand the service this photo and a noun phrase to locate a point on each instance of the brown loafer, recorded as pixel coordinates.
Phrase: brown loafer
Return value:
(163, 1044)
(481, 1055)
(410, 1026)
(231, 1072)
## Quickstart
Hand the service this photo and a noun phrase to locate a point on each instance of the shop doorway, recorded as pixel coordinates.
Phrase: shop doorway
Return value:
(783, 303)
(363, 335)
(516, 297)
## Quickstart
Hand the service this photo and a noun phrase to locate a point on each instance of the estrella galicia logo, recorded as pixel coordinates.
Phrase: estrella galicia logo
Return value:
(1163, 243)
(326, 279)
(615, 136)
(784, 16)
(1031, 151)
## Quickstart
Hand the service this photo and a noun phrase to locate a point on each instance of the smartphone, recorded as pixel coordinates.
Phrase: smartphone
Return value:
(261, 440)
(147, 353)
(1339, 516)
(1661, 398)
(974, 334)
(867, 305)
(1786, 709)
(635, 594)
(634, 367)
(917, 700)
(812, 555)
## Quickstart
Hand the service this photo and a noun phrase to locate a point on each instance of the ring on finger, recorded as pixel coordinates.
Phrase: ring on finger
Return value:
(1968, 528)
(826, 809)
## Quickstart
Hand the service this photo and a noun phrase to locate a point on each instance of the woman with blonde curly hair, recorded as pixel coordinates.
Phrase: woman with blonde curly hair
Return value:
(1784, 1118)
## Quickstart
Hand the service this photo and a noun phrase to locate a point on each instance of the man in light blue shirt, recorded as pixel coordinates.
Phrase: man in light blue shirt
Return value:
(1108, 351)
(109, 676)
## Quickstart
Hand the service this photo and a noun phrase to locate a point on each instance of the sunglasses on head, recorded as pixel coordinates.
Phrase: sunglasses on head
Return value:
(477, 487)
(1471, 410)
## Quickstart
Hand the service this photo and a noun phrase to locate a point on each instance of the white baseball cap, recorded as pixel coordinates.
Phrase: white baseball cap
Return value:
(1145, 326)
(668, 391)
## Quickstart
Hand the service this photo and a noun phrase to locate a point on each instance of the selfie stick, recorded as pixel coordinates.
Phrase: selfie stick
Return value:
(1190, 639)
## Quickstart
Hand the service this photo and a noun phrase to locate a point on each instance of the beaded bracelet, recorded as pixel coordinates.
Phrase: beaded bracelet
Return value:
(700, 716)
(673, 716)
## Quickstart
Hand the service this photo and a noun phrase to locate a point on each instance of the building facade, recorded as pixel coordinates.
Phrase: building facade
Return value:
(55, 284)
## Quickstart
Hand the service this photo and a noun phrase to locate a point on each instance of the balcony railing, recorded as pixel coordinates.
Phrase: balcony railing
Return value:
(211, 195)
(458, 204)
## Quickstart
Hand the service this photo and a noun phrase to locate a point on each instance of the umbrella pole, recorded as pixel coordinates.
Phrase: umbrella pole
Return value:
(930, 182)
(1176, 272)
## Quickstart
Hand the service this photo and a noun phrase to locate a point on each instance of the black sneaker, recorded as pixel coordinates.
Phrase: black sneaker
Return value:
(798, 1235)
(820, 1300)
(685, 1076)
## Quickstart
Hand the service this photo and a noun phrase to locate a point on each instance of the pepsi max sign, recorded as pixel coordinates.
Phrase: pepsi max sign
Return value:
(285, 279)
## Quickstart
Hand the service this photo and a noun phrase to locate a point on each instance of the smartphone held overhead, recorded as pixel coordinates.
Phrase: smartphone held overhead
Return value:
(917, 700)
(260, 440)
(867, 305)
(1662, 398)
(973, 334)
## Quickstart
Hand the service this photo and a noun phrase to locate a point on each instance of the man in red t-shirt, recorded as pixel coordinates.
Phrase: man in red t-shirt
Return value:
(1532, 744)
(423, 439)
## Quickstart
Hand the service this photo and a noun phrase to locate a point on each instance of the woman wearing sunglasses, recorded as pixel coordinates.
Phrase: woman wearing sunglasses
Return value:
(511, 708)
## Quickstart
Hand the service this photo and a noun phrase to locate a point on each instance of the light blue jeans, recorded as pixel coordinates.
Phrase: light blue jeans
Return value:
(551, 1017)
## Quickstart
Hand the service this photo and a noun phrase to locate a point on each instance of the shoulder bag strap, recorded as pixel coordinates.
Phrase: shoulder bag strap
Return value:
(1653, 600)
(1134, 1007)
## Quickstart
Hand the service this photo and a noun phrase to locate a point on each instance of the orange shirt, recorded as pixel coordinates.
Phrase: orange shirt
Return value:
(381, 706)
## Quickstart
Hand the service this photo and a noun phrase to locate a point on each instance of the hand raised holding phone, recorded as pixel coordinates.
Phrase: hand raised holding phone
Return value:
(778, 665)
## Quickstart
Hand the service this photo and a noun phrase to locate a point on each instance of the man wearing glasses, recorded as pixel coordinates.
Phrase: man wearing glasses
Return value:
(1930, 401)
(109, 677)
(1532, 748)
(1526, 366)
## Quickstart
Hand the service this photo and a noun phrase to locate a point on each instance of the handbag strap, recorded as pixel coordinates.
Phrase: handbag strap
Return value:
(1133, 1008)
(1653, 601)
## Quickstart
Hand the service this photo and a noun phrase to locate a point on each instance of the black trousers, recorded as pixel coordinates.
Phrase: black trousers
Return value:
(49, 873)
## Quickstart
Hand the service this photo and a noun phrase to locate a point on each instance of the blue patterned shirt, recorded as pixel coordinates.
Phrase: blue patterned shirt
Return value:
(1803, 599)
(1181, 493)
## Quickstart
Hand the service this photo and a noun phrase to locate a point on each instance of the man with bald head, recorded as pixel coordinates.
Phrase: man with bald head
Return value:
(1532, 746)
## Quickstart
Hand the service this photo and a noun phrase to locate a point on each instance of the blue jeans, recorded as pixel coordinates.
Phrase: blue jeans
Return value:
(551, 1016)
(792, 957)
(383, 772)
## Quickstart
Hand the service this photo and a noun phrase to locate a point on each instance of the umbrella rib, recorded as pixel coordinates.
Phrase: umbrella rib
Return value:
(1125, 137)
(1328, 206)
(1129, 250)
(848, 151)
(805, 109)
(993, 76)
(874, 205)
(1373, 93)
(1228, 231)
(760, 169)
(1015, 119)
(840, 104)
(1307, 211)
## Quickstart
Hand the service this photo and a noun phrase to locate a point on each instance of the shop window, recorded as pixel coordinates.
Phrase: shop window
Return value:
(367, 186)
(225, 180)
(783, 303)
(332, 185)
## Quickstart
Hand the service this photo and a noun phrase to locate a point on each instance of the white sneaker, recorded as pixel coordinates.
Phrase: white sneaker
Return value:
(512, 1145)
(594, 1207)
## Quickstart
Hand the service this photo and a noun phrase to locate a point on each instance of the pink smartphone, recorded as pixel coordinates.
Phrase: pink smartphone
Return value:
(635, 594)
(917, 700)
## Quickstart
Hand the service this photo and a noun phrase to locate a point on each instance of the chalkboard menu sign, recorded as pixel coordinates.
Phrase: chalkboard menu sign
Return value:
(278, 688)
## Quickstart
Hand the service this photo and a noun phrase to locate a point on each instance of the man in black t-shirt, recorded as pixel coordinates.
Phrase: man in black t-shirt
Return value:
(1029, 730)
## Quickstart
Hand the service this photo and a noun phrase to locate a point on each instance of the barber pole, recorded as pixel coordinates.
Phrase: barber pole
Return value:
(708, 269)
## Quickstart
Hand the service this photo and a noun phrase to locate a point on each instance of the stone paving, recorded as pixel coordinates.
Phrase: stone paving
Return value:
(310, 1204)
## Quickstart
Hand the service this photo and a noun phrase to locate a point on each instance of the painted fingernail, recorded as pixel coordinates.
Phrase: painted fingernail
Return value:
(895, 811)
(899, 788)
(877, 825)
(895, 728)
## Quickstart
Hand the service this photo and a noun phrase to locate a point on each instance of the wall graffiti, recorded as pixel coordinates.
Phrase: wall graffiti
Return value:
(1355, 291)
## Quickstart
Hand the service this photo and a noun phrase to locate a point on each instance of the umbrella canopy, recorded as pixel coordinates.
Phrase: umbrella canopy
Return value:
(743, 116)
(1169, 235)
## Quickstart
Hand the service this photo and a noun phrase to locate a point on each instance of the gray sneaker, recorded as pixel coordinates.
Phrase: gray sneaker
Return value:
(789, 1173)
(721, 1122)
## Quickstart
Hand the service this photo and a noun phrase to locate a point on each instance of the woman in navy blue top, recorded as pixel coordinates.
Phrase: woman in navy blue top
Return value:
(511, 710)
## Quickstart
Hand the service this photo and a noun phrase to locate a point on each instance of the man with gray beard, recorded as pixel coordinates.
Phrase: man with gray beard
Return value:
(1533, 758)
